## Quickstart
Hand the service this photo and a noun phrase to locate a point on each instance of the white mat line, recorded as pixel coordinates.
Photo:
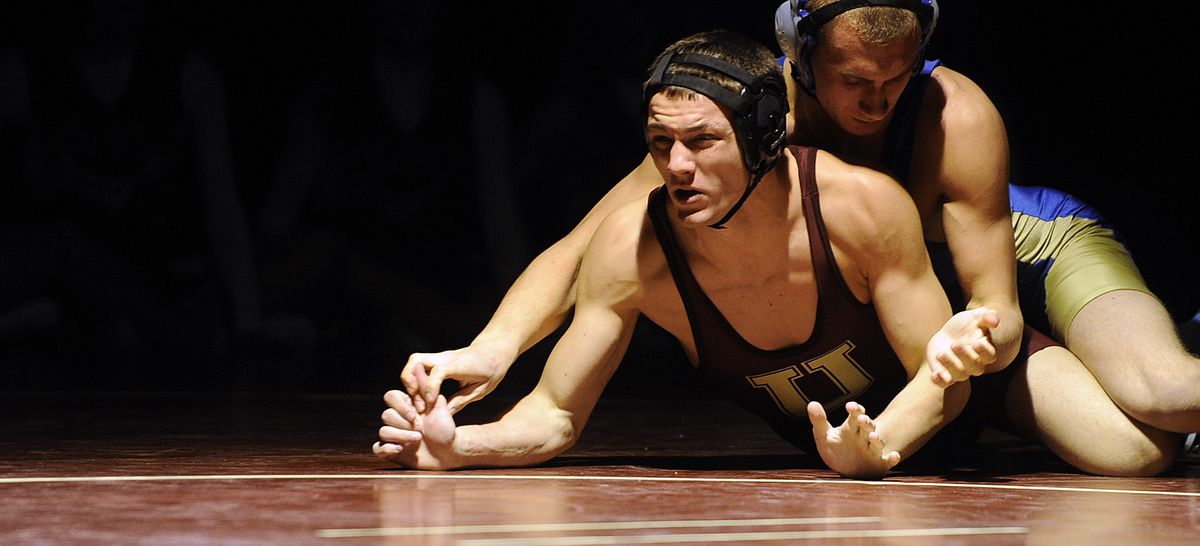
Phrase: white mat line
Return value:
(592, 526)
(744, 537)
(428, 476)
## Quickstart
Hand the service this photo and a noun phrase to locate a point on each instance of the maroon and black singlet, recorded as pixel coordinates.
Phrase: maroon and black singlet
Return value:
(847, 356)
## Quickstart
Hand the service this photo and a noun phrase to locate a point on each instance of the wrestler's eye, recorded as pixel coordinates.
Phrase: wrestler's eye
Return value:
(704, 140)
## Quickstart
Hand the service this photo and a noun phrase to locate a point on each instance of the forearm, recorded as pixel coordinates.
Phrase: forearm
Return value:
(1006, 336)
(533, 432)
(919, 411)
(536, 304)
(549, 420)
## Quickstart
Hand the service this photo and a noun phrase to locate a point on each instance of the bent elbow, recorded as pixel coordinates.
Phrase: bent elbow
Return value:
(954, 400)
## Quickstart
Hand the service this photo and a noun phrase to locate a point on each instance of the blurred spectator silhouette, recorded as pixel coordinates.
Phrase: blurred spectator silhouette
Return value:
(125, 242)
(390, 222)
(434, 151)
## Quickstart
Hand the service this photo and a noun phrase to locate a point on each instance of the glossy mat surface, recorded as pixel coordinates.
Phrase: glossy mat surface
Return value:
(182, 469)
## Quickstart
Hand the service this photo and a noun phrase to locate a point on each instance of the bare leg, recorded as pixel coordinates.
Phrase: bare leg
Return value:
(1128, 341)
(1055, 400)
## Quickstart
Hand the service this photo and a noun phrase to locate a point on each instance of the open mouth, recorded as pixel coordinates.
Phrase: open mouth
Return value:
(685, 195)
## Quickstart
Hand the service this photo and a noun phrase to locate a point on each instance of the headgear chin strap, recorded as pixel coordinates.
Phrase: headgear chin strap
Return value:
(759, 110)
(796, 30)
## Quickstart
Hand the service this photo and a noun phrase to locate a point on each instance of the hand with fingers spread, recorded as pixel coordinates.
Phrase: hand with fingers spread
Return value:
(412, 439)
(476, 369)
(854, 449)
(963, 348)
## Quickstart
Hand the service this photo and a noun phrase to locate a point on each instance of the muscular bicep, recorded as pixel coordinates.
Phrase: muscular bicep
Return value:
(606, 312)
(584, 359)
(541, 298)
(567, 253)
(979, 233)
(976, 216)
(910, 302)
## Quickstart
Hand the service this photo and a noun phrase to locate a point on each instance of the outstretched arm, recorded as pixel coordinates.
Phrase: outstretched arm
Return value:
(858, 448)
(865, 448)
(535, 305)
(549, 420)
(872, 219)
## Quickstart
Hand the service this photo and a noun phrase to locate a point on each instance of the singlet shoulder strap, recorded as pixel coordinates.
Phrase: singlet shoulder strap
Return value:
(701, 312)
(902, 130)
(825, 269)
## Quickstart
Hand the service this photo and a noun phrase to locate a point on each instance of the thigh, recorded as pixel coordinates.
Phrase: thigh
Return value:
(1053, 399)
(1067, 256)
(1129, 343)
(1125, 332)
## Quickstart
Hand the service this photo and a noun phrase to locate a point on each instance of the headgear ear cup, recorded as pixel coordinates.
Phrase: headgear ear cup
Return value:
(785, 29)
(790, 42)
(759, 110)
(771, 117)
(929, 26)
(796, 28)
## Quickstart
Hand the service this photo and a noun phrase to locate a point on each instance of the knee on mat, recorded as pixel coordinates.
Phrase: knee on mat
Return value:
(1136, 457)
(1163, 392)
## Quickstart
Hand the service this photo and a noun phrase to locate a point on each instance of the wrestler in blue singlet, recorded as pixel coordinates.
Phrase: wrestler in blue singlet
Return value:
(1067, 254)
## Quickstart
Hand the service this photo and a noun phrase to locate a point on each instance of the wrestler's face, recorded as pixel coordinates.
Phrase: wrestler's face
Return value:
(857, 83)
(696, 151)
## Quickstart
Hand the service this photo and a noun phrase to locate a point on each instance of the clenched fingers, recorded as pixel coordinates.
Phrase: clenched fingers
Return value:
(402, 404)
(399, 436)
(416, 378)
(388, 451)
(431, 384)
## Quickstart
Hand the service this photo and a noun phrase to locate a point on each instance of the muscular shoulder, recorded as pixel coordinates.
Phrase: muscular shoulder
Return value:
(867, 213)
(613, 265)
(857, 197)
(964, 137)
(964, 107)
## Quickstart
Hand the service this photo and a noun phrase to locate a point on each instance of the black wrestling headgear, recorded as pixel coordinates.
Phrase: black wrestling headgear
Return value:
(759, 110)
(796, 29)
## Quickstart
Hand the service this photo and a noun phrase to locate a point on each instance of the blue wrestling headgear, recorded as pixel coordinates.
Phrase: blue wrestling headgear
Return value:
(796, 29)
(759, 110)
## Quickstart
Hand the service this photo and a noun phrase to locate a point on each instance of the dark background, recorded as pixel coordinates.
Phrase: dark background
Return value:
(420, 203)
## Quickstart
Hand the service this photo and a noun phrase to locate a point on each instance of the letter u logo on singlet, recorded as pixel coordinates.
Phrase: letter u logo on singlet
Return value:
(833, 376)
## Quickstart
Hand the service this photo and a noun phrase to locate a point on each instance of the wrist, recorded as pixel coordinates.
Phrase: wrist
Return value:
(471, 447)
(502, 346)
(441, 456)
(1006, 337)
